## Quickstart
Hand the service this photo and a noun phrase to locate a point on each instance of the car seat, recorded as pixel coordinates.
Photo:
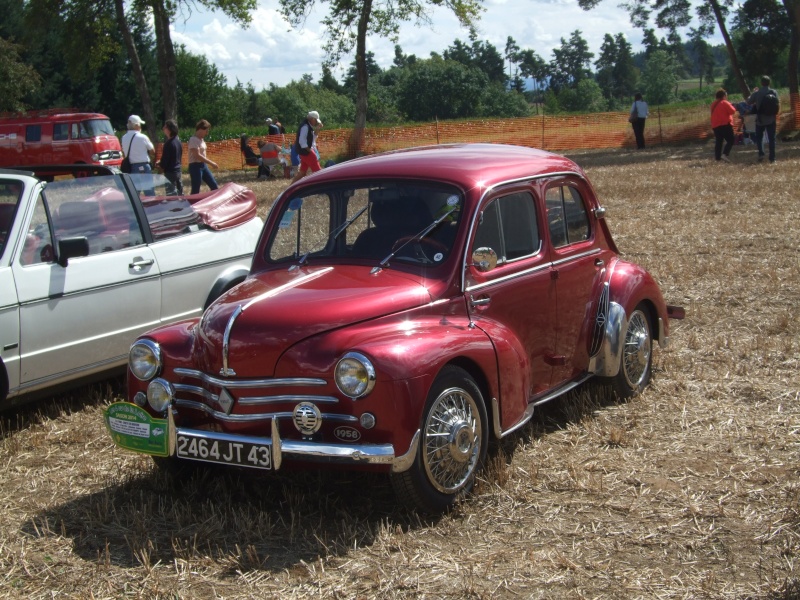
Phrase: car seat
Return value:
(393, 219)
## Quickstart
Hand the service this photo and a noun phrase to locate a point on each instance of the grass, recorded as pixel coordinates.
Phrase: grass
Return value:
(688, 491)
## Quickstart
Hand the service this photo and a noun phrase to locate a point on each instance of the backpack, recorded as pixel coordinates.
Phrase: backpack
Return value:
(769, 104)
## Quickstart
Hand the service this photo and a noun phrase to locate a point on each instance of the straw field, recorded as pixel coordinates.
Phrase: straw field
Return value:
(689, 491)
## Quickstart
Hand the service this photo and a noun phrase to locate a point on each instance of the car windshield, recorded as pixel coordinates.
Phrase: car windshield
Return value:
(95, 127)
(382, 223)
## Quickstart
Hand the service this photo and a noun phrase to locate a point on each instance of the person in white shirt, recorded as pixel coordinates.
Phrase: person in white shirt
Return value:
(137, 146)
(638, 118)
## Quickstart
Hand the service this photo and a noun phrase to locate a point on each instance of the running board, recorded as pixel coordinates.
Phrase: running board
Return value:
(499, 433)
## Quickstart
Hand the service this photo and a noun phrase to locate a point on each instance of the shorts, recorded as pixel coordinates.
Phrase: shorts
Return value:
(310, 161)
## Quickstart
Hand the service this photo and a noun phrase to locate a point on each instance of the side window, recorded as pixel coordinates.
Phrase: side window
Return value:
(33, 133)
(75, 133)
(566, 216)
(303, 228)
(60, 131)
(38, 246)
(575, 213)
(508, 226)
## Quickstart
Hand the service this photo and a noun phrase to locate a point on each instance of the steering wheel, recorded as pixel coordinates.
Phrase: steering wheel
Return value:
(418, 248)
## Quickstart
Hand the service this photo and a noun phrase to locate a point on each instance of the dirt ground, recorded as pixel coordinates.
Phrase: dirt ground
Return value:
(688, 491)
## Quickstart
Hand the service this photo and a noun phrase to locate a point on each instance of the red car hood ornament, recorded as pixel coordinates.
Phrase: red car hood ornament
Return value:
(246, 331)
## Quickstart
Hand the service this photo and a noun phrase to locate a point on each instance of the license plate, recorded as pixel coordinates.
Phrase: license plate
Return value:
(234, 451)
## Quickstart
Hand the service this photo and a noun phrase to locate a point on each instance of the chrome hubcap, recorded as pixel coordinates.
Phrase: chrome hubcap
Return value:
(636, 354)
(452, 440)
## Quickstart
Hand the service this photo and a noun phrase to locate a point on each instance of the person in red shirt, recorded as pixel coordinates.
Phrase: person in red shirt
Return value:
(722, 113)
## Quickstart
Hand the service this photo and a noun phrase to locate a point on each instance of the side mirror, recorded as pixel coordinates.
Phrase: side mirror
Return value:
(600, 212)
(73, 247)
(484, 259)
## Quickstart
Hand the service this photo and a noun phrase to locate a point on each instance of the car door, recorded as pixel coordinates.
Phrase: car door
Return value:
(80, 318)
(11, 196)
(514, 303)
(578, 267)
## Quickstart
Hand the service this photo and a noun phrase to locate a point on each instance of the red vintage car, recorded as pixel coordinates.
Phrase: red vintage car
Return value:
(401, 310)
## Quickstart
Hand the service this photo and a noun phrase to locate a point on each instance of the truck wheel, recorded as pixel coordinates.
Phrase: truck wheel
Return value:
(452, 448)
(635, 366)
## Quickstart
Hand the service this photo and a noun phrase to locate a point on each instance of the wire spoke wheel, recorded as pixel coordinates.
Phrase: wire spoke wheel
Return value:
(637, 350)
(452, 440)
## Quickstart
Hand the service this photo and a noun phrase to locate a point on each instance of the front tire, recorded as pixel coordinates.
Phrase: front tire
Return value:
(452, 448)
(636, 360)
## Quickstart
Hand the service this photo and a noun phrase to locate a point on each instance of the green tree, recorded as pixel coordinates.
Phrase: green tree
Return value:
(17, 80)
(444, 89)
(660, 77)
(202, 89)
(762, 33)
(625, 74)
(570, 62)
(348, 23)
(479, 54)
(605, 64)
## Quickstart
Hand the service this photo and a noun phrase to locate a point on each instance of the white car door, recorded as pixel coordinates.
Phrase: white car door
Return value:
(81, 318)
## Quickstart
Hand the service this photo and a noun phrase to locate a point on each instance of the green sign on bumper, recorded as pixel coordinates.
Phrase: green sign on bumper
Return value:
(133, 428)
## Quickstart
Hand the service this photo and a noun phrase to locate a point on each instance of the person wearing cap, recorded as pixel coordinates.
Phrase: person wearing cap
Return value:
(198, 161)
(137, 146)
(272, 128)
(306, 144)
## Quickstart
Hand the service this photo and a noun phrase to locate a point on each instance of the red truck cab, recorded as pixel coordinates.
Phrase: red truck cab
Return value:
(57, 137)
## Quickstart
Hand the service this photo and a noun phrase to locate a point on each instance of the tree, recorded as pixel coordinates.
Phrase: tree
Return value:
(479, 54)
(625, 74)
(348, 23)
(439, 88)
(17, 80)
(762, 33)
(570, 62)
(605, 66)
(704, 58)
(532, 65)
(660, 77)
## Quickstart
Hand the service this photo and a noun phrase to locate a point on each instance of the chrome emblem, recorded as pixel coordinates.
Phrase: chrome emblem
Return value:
(307, 418)
(225, 401)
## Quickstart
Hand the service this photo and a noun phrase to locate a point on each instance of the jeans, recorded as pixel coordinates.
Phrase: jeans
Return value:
(144, 183)
(770, 129)
(638, 131)
(174, 177)
(199, 172)
(723, 133)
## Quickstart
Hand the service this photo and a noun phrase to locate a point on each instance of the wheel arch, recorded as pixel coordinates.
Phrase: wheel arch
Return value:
(482, 381)
(227, 279)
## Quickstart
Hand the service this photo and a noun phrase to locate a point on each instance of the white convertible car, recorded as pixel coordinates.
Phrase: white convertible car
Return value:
(89, 263)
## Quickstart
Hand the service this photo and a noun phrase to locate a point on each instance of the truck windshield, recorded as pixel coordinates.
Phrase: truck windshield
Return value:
(95, 127)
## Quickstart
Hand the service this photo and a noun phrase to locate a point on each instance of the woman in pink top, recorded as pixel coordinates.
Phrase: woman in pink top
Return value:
(722, 123)
(198, 161)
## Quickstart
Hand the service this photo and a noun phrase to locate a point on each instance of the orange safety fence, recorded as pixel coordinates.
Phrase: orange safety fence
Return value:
(557, 133)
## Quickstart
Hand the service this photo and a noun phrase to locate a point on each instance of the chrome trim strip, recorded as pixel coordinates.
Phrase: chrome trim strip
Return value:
(509, 277)
(246, 383)
(237, 418)
(226, 342)
(196, 389)
(263, 400)
(567, 259)
(563, 390)
(526, 416)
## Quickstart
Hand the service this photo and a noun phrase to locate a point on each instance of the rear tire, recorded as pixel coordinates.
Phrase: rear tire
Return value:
(452, 447)
(636, 360)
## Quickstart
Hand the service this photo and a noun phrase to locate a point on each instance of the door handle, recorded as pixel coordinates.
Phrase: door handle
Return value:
(139, 263)
(599, 262)
(480, 301)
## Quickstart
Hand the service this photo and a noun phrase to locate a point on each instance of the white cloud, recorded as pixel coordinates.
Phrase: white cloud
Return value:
(271, 51)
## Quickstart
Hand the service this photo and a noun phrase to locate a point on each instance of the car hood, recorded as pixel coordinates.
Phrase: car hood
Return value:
(261, 318)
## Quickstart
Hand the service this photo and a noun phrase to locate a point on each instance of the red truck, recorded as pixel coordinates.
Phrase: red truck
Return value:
(57, 137)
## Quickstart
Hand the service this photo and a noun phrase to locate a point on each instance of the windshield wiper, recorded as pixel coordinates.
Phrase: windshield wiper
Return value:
(333, 236)
(418, 236)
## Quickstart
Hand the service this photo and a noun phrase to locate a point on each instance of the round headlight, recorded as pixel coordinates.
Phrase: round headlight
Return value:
(159, 394)
(355, 375)
(144, 359)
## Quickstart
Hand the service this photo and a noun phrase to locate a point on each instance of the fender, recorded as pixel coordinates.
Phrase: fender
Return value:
(228, 279)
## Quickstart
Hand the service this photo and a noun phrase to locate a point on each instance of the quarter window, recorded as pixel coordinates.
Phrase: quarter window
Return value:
(33, 133)
(60, 131)
(508, 226)
(566, 216)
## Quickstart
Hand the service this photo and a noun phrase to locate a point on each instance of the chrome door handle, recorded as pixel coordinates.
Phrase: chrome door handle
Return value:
(599, 262)
(139, 263)
(480, 301)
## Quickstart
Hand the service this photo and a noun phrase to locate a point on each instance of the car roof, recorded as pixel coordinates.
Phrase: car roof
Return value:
(464, 164)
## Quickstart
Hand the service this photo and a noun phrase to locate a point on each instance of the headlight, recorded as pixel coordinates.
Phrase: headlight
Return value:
(355, 375)
(159, 394)
(144, 359)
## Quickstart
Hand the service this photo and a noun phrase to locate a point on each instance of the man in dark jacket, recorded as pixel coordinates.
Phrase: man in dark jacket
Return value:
(306, 144)
(171, 153)
(764, 122)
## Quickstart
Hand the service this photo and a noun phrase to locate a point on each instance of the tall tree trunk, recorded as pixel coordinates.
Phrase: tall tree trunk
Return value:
(362, 79)
(793, 8)
(737, 71)
(136, 67)
(166, 59)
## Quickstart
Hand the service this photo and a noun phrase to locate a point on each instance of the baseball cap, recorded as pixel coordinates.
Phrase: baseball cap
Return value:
(135, 120)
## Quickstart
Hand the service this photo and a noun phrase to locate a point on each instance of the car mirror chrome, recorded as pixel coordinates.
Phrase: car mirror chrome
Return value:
(600, 212)
(73, 247)
(484, 259)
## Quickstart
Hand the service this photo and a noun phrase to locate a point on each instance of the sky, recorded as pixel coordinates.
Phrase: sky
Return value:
(270, 51)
